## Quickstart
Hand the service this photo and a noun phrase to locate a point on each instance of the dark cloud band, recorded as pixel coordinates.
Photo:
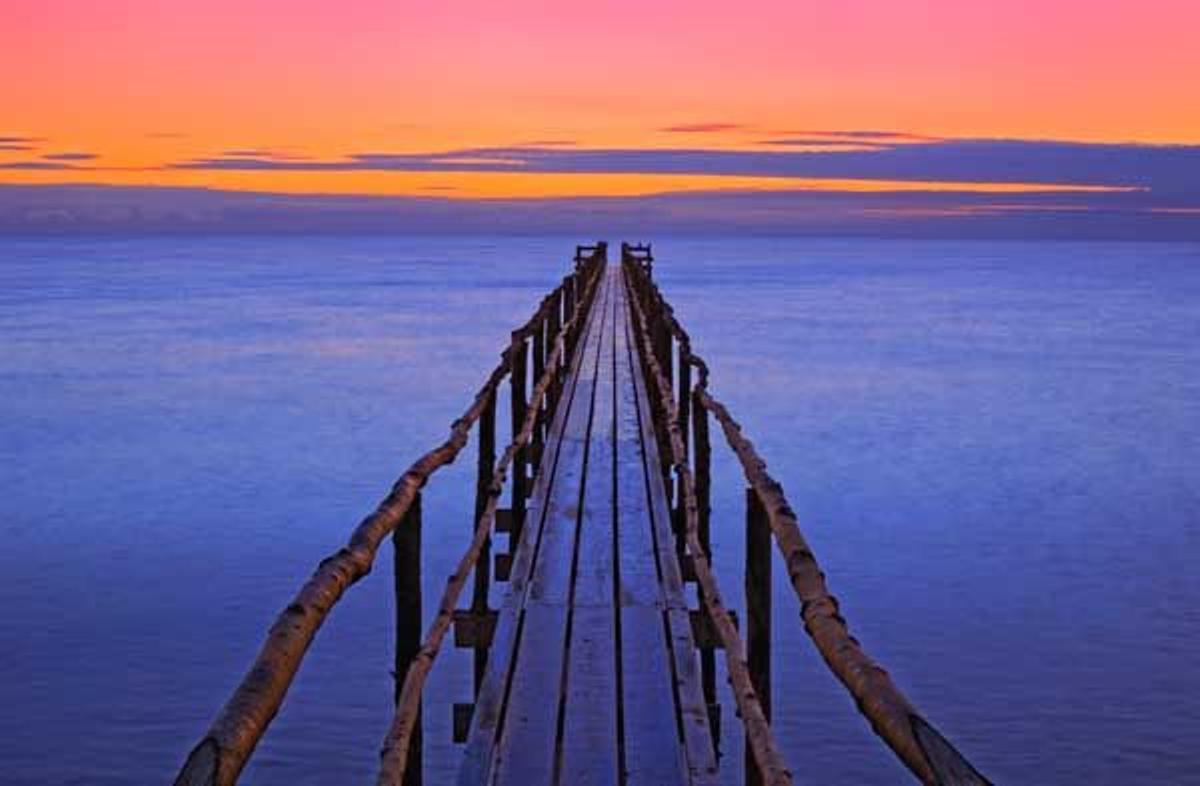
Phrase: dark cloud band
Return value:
(1167, 170)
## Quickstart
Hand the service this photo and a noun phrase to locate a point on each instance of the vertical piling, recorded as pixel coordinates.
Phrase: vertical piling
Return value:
(539, 365)
(758, 612)
(519, 467)
(483, 482)
(569, 301)
(702, 452)
(685, 393)
(553, 329)
(406, 549)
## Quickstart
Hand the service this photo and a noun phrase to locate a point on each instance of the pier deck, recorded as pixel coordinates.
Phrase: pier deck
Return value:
(598, 667)
(592, 676)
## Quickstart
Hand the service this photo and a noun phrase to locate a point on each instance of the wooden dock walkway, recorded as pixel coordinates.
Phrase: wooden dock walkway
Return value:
(599, 666)
(592, 677)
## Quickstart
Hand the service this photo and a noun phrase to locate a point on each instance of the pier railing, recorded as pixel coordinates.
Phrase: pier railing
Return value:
(544, 345)
(536, 365)
(682, 407)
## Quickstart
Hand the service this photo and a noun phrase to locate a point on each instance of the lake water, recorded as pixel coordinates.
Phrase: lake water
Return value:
(992, 447)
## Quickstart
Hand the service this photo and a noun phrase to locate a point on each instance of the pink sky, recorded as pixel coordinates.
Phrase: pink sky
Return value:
(141, 83)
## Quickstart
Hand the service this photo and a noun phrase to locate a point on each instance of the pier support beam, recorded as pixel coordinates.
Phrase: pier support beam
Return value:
(406, 543)
(520, 470)
(758, 613)
(483, 482)
(702, 459)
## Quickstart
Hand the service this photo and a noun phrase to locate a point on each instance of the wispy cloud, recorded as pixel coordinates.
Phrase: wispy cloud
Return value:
(863, 135)
(36, 165)
(1165, 170)
(1125, 215)
(18, 143)
(550, 143)
(702, 128)
(70, 156)
(821, 143)
(265, 153)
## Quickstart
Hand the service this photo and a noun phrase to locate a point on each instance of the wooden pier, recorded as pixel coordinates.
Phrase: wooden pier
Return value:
(595, 668)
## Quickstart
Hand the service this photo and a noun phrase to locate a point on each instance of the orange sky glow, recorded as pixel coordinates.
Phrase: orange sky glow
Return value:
(142, 85)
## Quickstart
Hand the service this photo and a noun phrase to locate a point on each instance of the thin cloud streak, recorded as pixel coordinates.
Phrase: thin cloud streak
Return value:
(67, 209)
(822, 143)
(861, 135)
(264, 153)
(1168, 170)
(702, 128)
(36, 165)
(550, 143)
(70, 156)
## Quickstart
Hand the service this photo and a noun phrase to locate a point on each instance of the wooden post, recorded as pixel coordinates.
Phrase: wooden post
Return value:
(406, 549)
(702, 461)
(539, 365)
(667, 361)
(519, 471)
(483, 482)
(554, 327)
(758, 612)
(661, 334)
(685, 393)
(664, 362)
(569, 298)
(702, 452)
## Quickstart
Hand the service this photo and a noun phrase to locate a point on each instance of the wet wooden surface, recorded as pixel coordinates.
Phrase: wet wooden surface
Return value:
(592, 677)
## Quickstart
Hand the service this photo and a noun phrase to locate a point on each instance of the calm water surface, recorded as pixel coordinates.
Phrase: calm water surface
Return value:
(992, 448)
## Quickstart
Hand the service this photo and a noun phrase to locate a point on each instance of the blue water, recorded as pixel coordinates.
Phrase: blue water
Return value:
(992, 448)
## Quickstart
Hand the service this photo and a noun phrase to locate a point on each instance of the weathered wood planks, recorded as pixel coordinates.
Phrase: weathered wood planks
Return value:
(593, 677)
(479, 760)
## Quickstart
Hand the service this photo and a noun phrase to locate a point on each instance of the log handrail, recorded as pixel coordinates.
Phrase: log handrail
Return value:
(770, 762)
(221, 754)
(553, 333)
(394, 753)
(913, 739)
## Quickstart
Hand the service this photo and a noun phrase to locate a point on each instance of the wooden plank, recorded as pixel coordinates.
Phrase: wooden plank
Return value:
(652, 751)
(590, 729)
(551, 582)
(691, 707)
(486, 719)
(594, 570)
(527, 751)
(635, 424)
(552, 684)
(639, 572)
(651, 738)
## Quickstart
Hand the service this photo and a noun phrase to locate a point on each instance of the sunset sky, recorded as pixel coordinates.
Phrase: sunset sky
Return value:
(464, 100)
